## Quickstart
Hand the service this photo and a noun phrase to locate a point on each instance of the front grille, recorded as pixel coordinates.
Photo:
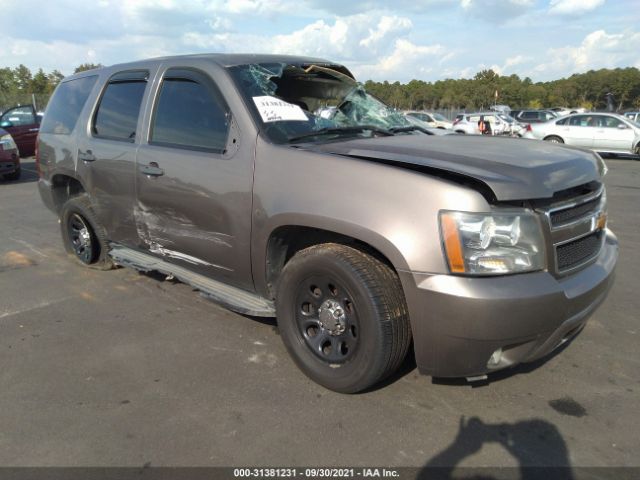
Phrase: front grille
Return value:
(575, 227)
(561, 217)
(577, 252)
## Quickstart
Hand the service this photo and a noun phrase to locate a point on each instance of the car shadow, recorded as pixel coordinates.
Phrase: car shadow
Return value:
(536, 445)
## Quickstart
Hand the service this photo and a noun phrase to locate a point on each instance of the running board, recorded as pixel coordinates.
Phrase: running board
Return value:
(232, 298)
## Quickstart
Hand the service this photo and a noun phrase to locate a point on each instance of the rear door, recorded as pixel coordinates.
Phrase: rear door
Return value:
(194, 186)
(613, 135)
(23, 125)
(107, 152)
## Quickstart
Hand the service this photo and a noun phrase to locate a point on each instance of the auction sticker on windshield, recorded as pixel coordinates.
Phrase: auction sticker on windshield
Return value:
(273, 109)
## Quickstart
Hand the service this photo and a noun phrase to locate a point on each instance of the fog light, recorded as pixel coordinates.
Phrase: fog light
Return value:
(495, 358)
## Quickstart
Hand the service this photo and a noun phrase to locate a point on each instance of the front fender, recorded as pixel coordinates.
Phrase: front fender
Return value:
(392, 209)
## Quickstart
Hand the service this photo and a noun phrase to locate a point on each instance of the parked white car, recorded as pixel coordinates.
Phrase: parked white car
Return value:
(434, 120)
(602, 132)
(634, 116)
(468, 123)
(433, 131)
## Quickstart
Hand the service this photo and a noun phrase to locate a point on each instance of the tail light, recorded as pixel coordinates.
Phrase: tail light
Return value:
(457, 121)
(528, 128)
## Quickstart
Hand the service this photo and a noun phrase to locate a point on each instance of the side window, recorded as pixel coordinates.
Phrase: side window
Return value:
(65, 106)
(529, 115)
(610, 122)
(190, 112)
(579, 121)
(19, 116)
(117, 114)
(562, 121)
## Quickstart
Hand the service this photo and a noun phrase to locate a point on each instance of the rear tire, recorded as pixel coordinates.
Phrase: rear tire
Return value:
(553, 139)
(342, 316)
(12, 177)
(83, 237)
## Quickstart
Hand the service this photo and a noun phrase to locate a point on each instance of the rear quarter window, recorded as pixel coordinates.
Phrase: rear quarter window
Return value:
(65, 106)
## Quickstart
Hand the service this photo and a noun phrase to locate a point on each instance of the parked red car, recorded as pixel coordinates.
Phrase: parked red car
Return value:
(9, 157)
(23, 124)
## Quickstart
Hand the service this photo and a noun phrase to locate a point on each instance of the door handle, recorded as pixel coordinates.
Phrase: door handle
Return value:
(34, 129)
(87, 156)
(153, 170)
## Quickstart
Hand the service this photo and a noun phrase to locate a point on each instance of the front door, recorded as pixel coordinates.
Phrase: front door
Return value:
(613, 135)
(194, 187)
(22, 123)
(579, 131)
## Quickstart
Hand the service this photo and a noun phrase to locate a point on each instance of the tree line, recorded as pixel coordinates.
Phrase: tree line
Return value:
(19, 86)
(586, 90)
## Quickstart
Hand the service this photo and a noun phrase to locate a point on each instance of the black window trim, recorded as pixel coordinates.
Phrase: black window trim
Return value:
(197, 76)
(125, 76)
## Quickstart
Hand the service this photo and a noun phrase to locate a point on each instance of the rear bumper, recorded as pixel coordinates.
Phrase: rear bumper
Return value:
(458, 322)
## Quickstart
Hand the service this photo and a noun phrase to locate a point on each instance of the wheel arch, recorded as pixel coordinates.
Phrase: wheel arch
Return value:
(553, 135)
(285, 240)
(65, 186)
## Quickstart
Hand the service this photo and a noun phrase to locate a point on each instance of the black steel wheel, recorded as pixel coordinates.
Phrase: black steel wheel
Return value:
(342, 316)
(82, 235)
(82, 238)
(327, 319)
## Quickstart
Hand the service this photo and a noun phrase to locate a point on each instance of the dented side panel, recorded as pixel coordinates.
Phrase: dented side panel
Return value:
(197, 214)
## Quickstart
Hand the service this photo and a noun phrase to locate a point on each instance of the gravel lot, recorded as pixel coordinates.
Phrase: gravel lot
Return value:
(119, 368)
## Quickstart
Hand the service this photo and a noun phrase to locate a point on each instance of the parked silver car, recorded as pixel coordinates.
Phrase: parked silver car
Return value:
(634, 116)
(602, 132)
(434, 120)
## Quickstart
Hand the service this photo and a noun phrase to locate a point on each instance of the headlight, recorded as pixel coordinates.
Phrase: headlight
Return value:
(492, 243)
(7, 143)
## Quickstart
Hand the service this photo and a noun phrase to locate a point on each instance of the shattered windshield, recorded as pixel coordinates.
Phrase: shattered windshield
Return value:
(313, 103)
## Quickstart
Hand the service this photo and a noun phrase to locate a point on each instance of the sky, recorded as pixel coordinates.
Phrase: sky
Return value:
(395, 40)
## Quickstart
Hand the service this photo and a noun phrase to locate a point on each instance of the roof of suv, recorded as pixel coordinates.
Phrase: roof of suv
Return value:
(228, 60)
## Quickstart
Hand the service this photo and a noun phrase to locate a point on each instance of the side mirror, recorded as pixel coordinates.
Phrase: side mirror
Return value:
(6, 124)
(622, 126)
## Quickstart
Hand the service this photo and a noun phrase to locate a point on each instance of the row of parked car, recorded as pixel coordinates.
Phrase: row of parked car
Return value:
(604, 132)
(19, 128)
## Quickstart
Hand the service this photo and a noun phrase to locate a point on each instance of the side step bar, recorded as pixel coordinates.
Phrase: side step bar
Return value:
(232, 298)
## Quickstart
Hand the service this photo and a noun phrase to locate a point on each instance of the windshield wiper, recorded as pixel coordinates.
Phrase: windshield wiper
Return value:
(342, 130)
(411, 128)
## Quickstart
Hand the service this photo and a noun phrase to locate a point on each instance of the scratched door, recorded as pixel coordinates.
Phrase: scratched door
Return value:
(194, 185)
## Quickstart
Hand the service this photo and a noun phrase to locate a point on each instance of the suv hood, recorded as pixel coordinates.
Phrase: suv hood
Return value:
(514, 169)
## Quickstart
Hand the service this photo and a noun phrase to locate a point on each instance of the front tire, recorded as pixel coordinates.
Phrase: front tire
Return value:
(83, 237)
(553, 139)
(342, 316)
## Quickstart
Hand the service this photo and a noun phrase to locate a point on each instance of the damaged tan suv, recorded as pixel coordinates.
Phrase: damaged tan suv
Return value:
(278, 186)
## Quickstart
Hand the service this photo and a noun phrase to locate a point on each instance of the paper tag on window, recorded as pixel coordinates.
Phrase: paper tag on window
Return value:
(273, 109)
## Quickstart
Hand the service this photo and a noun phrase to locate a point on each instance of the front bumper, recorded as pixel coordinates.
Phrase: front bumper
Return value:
(458, 322)
(9, 161)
